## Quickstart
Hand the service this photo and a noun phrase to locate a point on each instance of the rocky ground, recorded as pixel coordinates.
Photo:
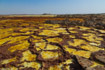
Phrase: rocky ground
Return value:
(27, 46)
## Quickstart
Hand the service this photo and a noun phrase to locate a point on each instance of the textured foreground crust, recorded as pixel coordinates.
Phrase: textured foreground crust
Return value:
(50, 47)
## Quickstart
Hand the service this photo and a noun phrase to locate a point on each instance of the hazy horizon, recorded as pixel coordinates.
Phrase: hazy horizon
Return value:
(52, 6)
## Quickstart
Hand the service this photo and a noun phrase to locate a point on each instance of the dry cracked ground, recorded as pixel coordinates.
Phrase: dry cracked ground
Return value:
(51, 47)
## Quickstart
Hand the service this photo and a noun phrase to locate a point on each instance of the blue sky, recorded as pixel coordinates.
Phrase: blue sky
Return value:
(52, 6)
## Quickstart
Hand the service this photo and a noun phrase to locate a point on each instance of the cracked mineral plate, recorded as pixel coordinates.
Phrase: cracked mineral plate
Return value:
(51, 47)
